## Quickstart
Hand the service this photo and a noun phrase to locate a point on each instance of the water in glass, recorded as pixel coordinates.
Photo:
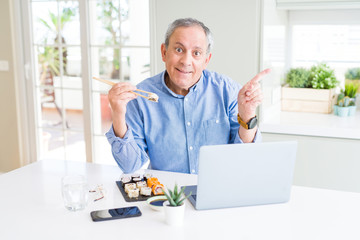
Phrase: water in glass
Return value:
(75, 192)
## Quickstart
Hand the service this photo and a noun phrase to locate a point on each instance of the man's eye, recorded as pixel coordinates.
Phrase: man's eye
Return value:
(197, 53)
(178, 50)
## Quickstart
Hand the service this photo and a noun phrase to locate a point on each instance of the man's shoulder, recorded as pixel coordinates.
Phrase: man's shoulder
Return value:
(151, 82)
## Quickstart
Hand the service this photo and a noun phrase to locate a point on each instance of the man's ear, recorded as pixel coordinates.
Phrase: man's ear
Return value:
(163, 52)
(207, 60)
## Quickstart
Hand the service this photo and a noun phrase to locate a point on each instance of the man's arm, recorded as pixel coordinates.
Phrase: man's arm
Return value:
(126, 152)
(119, 96)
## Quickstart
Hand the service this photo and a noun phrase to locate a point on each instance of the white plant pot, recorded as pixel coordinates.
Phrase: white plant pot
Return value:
(174, 216)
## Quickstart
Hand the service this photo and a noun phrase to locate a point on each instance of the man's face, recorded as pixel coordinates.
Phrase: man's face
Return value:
(185, 58)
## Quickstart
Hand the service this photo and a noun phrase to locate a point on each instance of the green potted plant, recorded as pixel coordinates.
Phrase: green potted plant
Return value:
(346, 101)
(310, 90)
(352, 75)
(322, 77)
(350, 91)
(174, 207)
(298, 78)
(341, 108)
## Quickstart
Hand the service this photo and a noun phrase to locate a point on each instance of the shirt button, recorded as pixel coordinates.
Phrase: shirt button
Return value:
(217, 121)
(188, 123)
(193, 171)
(186, 99)
(191, 148)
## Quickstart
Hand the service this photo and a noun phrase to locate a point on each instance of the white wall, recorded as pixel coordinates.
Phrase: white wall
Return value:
(235, 25)
(331, 163)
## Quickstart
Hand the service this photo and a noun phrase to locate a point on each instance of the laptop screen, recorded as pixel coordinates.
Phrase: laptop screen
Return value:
(235, 175)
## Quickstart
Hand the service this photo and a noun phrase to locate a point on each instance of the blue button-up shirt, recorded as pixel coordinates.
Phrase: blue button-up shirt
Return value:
(170, 132)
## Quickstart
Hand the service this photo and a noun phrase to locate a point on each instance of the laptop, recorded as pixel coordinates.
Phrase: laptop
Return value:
(236, 175)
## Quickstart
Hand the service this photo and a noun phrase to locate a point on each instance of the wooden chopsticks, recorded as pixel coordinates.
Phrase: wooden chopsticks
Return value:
(151, 96)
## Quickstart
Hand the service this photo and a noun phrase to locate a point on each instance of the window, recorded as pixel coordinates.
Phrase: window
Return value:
(337, 44)
(302, 38)
(116, 38)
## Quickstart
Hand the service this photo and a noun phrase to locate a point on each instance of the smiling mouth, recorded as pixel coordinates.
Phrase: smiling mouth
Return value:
(182, 71)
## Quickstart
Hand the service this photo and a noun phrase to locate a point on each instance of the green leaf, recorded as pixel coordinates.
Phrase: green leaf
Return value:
(171, 201)
(176, 190)
(182, 200)
(182, 190)
(171, 194)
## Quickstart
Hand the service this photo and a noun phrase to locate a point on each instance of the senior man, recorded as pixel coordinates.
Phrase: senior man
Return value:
(196, 107)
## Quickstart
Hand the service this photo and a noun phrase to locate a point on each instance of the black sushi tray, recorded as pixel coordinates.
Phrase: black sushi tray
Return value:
(126, 197)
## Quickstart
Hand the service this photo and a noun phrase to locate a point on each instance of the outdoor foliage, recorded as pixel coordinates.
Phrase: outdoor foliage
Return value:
(109, 16)
(353, 74)
(49, 56)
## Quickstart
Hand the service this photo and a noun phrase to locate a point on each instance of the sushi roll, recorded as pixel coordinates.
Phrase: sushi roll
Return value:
(135, 180)
(125, 180)
(147, 176)
(157, 189)
(141, 184)
(133, 193)
(145, 191)
(152, 181)
(129, 186)
(135, 175)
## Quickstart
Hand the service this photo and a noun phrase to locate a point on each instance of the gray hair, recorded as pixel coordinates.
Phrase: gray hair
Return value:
(189, 22)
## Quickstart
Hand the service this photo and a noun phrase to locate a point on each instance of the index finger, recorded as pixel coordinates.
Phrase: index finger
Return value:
(260, 75)
(249, 85)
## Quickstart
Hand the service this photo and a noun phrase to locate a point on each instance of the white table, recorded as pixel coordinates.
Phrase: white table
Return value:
(31, 207)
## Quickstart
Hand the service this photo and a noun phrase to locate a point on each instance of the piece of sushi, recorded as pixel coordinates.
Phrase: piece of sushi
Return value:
(146, 191)
(135, 175)
(129, 186)
(138, 179)
(125, 180)
(151, 181)
(141, 184)
(157, 189)
(147, 176)
(133, 193)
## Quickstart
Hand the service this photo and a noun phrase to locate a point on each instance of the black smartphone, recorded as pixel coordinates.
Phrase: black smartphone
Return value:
(116, 213)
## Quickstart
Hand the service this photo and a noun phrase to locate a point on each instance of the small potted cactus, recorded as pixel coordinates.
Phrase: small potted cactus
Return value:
(346, 101)
(175, 206)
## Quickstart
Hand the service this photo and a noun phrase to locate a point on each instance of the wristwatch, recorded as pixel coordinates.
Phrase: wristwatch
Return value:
(250, 124)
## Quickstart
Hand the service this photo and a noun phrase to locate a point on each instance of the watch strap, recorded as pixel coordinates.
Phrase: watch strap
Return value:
(242, 123)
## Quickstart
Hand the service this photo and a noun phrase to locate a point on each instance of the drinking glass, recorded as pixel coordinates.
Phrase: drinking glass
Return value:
(74, 192)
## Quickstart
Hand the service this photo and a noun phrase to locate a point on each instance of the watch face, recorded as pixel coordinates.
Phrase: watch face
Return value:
(252, 123)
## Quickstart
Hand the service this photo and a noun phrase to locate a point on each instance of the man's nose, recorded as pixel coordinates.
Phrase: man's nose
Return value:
(186, 58)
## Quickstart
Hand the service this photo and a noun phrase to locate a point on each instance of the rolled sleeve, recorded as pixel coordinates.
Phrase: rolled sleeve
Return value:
(125, 151)
(114, 139)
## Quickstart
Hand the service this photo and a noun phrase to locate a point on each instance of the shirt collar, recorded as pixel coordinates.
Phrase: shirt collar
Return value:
(196, 87)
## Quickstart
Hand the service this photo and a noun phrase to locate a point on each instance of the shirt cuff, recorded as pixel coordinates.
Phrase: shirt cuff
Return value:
(257, 138)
